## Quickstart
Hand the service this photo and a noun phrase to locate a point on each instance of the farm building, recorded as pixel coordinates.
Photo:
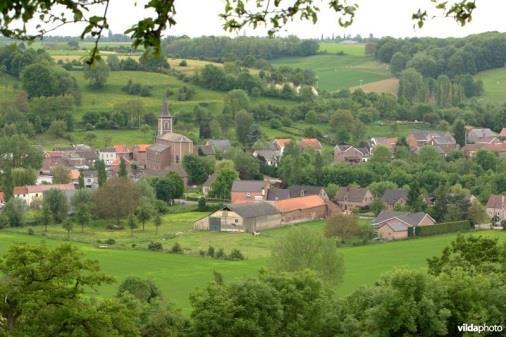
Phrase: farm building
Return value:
(301, 209)
(248, 191)
(246, 217)
(396, 225)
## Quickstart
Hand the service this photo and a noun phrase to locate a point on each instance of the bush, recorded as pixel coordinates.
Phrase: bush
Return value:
(202, 252)
(442, 228)
(275, 123)
(30, 231)
(183, 63)
(176, 249)
(202, 206)
(220, 254)
(210, 251)
(236, 254)
(110, 242)
(155, 246)
(503, 224)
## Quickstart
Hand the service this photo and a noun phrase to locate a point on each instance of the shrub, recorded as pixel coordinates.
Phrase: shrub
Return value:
(202, 206)
(110, 242)
(30, 231)
(202, 252)
(220, 254)
(210, 251)
(155, 246)
(176, 249)
(236, 254)
(442, 228)
(275, 123)
(503, 224)
(183, 63)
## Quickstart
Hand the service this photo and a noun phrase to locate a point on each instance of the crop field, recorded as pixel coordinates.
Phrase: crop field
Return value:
(494, 85)
(357, 49)
(388, 86)
(179, 275)
(337, 72)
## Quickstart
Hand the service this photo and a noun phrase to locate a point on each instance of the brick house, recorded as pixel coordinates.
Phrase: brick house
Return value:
(248, 190)
(310, 144)
(443, 141)
(496, 207)
(470, 150)
(395, 225)
(389, 142)
(350, 154)
(281, 143)
(481, 136)
(395, 197)
(350, 198)
(140, 154)
(31, 194)
(107, 155)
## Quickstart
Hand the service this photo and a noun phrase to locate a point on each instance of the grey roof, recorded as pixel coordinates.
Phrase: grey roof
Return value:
(398, 226)
(412, 219)
(481, 133)
(221, 145)
(439, 137)
(391, 196)
(304, 190)
(269, 155)
(205, 150)
(157, 147)
(175, 137)
(353, 194)
(253, 210)
(248, 186)
(276, 193)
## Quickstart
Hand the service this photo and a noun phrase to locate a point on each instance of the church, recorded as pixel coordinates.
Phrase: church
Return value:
(167, 153)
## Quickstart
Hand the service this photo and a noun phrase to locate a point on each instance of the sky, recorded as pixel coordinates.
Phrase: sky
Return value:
(379, 17)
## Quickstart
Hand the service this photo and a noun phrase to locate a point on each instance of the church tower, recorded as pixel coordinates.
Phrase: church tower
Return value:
(165, 119)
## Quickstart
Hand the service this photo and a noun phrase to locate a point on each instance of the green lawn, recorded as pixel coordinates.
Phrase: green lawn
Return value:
(350, 49)
(494, 84)
(339, 71)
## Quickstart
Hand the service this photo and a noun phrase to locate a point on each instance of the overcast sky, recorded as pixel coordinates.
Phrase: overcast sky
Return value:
(379, 17)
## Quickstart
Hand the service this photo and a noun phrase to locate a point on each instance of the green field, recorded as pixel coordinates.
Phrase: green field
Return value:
(357, 49)
(494, 82)
(178, 275)
(339, 71)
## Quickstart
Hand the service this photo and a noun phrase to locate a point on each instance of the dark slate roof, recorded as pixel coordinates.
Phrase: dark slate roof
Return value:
(276, 193)
(206, 150)
(248, 186)
(391, 196)
(269, 155)
(411, 219)
(157, 147)
(253, 210)
(304, 190)
(353, 194)
(221, 145)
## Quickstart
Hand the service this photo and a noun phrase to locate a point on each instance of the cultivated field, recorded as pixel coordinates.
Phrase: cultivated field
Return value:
(337, 72)
(357, 49)
(494, 82)
(388, 86)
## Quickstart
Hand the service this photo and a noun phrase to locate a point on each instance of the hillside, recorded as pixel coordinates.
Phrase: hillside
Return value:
(494, 84)
(336, 71)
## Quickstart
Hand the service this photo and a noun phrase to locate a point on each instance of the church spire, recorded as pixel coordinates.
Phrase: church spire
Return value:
(165, 107)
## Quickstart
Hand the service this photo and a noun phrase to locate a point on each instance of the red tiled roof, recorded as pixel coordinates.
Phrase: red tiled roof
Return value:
(503, 133)
(310, 143)
(42, 188)
(74, 174)
(281, 142)
(2, 197)
(119, 148)
(54, 154)
(293, 204)
(142, 147)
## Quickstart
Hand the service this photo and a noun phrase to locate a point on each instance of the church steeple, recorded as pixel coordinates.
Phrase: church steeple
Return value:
(165, 119)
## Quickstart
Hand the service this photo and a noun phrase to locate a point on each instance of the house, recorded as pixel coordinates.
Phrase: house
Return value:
(301, 209)
(350, 198)
(295, 191)
(350, 154)
(205, 150)
(470, 150)
(123, 151)
(310, 144)
(140, 154)
(35, 193)
(481, 136)
(443, 141)
(220, 145)
(90, 179)
(248, 190)
(107, 155)
(389, 142)
(268, 157)
(496, 207)
(395, 197)
(246, 217)
(392, 225)
(276, 193)
(169, 148)
(206, 186)
(281, 143)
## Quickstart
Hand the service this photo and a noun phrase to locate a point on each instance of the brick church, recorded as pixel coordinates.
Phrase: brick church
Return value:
(167, 153)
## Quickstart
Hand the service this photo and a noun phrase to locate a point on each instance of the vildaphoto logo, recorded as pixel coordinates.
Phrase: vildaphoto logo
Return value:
(479, 328)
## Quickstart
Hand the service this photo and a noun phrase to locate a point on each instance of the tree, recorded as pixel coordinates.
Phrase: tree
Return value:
(459, 131)
(13, 213)
(478, 213)
(117, 198)
(96, 73)
(68, 226)
(169, 188)
(143, 290)
(222, 185)
(377, 206)
(81, 179)
(61, 175)
(122, 173)
(42, 79)
(158, 221)
(17, 151)
(196, 168)
(101, 172)
(145, 211)
(398, 63)
(57, 204)
(243, 123)
(236, 100)
(412, 86)
(302, 249)
(113, 62)
(132, 223)
(381, 155)
(82, 203)
(38, 292)
(342, 227)
(23, 176)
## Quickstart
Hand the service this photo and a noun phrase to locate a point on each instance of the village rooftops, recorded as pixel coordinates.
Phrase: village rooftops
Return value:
(351, 194)
(391, 196)
(252, 210)
(142, 147)
(497, 202)
(28, 189)
(220, 145)
(175, 137)
(293, 204)
(310, 143)
(157, 147)
(276, 193)
(410, 219)
(119, 148)
(248, 186)
(439, 137)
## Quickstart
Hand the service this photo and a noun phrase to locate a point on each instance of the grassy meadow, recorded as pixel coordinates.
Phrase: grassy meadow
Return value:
(493, 84)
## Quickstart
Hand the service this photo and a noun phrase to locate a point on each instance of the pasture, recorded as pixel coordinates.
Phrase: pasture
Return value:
(337, 72)
(494, 82)
(356, 49)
